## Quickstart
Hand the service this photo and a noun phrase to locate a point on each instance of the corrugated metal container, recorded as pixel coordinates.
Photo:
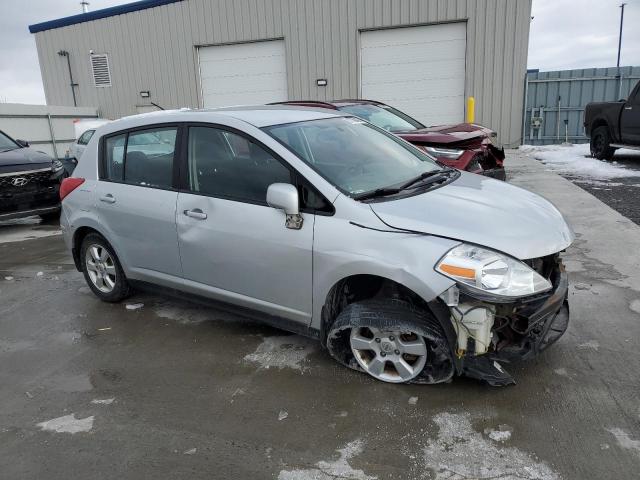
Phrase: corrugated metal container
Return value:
(156, 49)
(555, 101)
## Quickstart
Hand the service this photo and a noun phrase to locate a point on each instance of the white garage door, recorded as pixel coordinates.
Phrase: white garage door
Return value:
(419, 70)
(243, 74)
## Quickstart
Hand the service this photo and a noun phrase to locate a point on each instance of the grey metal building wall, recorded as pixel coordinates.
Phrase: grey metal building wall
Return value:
(559, 96)
(156, 50)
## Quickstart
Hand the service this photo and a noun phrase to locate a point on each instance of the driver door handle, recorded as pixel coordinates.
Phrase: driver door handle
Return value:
(196, 213)
(108, 198)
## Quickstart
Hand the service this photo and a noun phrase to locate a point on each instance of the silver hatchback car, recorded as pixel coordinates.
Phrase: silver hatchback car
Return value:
(323, 224)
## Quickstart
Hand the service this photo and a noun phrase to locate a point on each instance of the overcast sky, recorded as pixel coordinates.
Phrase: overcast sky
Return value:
(565, 34)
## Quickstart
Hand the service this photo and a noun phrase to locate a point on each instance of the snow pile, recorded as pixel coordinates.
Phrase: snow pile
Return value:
(575, 160)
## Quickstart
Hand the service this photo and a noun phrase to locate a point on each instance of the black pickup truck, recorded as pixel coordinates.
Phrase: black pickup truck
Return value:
(613, 125)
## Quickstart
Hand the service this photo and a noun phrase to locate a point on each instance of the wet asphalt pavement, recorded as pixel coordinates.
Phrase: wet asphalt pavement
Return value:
(169, 389)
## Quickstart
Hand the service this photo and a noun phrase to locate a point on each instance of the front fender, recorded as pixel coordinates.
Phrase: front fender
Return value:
(406, 259)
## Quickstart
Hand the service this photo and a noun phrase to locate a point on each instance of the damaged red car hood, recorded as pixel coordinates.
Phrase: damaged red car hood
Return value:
(461, 134)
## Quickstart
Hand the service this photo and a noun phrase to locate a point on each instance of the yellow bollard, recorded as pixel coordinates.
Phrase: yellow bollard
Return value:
(471, 109)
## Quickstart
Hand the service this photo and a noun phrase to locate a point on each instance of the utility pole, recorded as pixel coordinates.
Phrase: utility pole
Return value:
(620, 36)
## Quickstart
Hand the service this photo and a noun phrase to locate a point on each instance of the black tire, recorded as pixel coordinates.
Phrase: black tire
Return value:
(121, 289)
(52, 217)
(393, 314)
(601, 144)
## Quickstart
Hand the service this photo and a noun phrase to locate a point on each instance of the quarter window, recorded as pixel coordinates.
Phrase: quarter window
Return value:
(228, 165)
(85, 137)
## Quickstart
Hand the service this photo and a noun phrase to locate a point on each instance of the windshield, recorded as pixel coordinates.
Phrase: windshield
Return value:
(352, 154)
(385, 117)
(6, 143)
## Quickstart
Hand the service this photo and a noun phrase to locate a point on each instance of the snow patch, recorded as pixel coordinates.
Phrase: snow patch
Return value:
(575, 160)
(14, 233)
(635, 306)
(502, 434)
(282, 351)
(562, 372)
(462, 453)
(592, 344)
(183, 314)
(331, 470)
(134, 306)
(102, 401)
(67, 424)
(624, 440)
(413, 400)
(191, 451)
(283, 414)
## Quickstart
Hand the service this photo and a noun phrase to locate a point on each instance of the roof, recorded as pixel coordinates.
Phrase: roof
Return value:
(98, 14)
(258, 116)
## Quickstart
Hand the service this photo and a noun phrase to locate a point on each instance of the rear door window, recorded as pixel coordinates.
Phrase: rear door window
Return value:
(149, 157)
(141, 157)
(114, 157)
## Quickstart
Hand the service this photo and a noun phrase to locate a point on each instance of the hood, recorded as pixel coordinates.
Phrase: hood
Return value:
(23, 156)
(486, 212)
(462, 134)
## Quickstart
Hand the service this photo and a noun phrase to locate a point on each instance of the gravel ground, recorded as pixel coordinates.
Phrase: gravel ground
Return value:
(620, 193)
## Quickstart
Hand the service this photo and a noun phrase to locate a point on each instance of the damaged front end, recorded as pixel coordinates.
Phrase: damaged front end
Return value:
(492, 329)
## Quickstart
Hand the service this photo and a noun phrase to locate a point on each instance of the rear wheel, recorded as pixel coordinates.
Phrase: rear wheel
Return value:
(601, 144)
(102, 270)
(391, 340)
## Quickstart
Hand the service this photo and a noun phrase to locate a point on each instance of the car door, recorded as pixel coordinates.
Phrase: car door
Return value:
(136, 201)
(233, 246)
(630, 119)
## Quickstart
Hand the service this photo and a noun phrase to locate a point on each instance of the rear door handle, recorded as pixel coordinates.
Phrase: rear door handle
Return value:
(196, 213)
(108, 198)
(628, 108)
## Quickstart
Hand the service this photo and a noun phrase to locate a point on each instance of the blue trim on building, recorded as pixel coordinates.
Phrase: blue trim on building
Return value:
(104, 13)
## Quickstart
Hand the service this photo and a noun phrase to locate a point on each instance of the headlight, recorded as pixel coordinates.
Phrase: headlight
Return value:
(491, 272)
(451, 153)
(57, 166)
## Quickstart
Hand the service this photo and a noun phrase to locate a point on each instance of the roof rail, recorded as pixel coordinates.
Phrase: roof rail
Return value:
(307, 103)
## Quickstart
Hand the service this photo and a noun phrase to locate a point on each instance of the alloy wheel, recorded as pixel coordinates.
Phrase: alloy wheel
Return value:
(390, 356)
(101, 268)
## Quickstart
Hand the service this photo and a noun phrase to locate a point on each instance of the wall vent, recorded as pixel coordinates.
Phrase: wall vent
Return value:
(100, 69)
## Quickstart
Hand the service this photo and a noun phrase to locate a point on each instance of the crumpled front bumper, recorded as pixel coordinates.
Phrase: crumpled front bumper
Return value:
(540, 321)
(548, 321)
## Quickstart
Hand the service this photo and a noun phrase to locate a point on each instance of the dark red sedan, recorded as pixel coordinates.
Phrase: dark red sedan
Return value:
(464, 146)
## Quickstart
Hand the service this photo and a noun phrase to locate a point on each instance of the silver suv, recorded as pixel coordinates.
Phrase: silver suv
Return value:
(325, 225)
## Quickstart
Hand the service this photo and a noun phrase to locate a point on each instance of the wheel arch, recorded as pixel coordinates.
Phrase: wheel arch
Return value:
(79, 235)
(360, 286)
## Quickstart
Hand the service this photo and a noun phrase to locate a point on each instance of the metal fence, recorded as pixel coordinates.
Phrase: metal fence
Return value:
(50, 129)
(555, 101)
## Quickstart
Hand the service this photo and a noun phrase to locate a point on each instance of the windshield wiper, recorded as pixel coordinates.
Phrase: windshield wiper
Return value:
(421, 177)
(383, 192)
(378, 192)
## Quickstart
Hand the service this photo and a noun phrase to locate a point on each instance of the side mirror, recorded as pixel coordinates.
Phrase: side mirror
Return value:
(285, 197)
(22, 143)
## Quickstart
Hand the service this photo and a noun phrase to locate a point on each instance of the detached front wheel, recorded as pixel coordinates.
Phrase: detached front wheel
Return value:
(601, 144)
(392, 341)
